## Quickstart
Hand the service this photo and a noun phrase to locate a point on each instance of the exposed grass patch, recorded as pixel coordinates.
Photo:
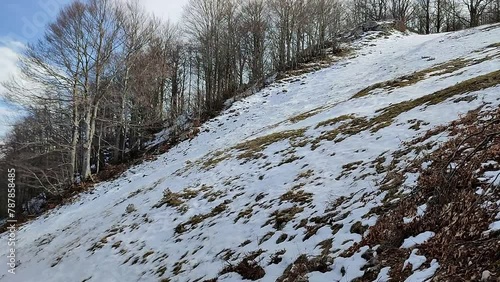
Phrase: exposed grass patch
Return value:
(176, 200)
(305, 174)
(379, 164)
(392, 184)
(135, 193)
(352, 166)
(299, 197)
(245, 243)
(147, 254)
(354, 126)
(358, 228)
(474, 84)
(260, 197)
(116, 245)
(104, 240)
(289, 159)
(266, 237)
(252, 149)
(277, 257)
(311, 230)
(494, 45)
(197, 219)
(387, 115)
(226, 254)
(212, 195)
(334, 121)
(417, 124)
(411, 79)
(348, 168)
(282, 217)
(327, 219)
(468, 99)
(56, 262)
(485, 49)
(248, 268)
(161, 270)
(302, 224)
(326, 246)
(305, 115)
(247, 213)
(303, 265)
(214, 159)
(178, 267)
(281, 238)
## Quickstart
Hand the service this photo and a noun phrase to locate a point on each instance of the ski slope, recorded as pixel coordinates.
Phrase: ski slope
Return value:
(291, 170)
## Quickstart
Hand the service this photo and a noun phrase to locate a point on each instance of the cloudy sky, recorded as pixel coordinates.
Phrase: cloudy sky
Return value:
(171, 9)
(24, 21)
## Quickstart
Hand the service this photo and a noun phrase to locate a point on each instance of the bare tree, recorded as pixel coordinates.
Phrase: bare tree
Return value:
(401, 10)
(370, 10)
(51, 70)
(453, 15)
(439, 8)
(136, 30)
(476, 9)
(425, 8)
(101, 43)
(255, 26)
(70, 64)
(210, 23)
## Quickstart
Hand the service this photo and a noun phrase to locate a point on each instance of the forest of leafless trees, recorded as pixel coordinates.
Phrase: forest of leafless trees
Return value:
(107, 75)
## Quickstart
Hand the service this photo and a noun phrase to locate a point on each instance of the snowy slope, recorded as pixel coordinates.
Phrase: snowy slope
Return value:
(276, 176)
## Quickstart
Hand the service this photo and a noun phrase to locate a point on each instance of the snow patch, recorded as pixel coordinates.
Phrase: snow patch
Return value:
(415, 260)
(417, 240)
(383, 275)
(423, 275)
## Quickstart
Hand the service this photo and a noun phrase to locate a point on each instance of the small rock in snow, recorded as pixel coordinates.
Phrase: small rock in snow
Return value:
(130, 208)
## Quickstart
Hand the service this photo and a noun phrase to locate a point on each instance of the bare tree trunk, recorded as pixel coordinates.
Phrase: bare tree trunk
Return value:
(90, 119)
(74, 142)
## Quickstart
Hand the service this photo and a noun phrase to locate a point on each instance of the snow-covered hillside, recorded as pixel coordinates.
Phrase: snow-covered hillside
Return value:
(293, 170)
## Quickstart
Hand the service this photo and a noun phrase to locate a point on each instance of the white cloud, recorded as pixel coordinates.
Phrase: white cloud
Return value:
(165, 9)
(12, 44)
(8, 68)
(8, 60)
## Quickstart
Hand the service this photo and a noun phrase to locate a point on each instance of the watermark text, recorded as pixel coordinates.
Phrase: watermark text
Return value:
(11, 221)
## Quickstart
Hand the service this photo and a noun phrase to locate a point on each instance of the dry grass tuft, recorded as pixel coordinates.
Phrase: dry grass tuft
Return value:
(197, 219)
(298, 270)
(248, 268)
(282, 217)
(252, 149)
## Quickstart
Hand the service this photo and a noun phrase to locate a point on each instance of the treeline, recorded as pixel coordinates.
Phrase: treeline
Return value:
(429, 16)
(107, 75)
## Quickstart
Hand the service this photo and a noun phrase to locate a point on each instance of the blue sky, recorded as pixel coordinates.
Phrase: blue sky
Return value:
(21, 21)
(25, 20)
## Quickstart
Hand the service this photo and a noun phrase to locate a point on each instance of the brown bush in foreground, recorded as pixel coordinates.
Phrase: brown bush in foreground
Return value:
(456, 212)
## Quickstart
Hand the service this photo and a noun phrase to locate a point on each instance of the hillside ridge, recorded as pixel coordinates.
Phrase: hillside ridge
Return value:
(289, 184)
